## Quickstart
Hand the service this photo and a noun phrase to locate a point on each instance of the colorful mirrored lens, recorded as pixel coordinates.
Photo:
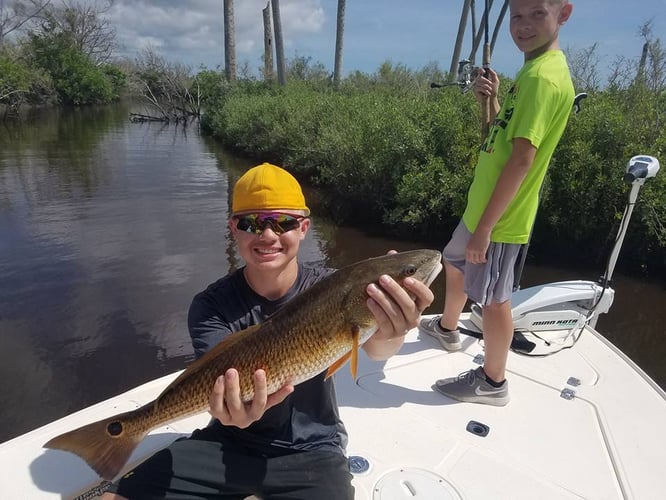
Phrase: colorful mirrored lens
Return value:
(278, 222)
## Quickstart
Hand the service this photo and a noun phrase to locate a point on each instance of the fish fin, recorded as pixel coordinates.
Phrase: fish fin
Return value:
(105, 445)
(337, 365)
(356, 337)
(353, 354)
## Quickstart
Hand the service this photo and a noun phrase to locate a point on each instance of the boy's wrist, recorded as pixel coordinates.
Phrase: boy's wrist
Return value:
(483, 228)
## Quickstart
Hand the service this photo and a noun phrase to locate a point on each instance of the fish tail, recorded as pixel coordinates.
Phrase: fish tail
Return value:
(105, 445)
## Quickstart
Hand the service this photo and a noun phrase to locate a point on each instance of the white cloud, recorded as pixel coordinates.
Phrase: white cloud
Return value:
(413, 33)
(194, 29)
(149, 41)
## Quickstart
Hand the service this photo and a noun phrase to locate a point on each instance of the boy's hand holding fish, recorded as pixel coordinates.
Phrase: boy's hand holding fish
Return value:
(228, 407)
(397, 309)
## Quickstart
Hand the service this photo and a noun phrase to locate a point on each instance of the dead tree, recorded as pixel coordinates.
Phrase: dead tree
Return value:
(229, 41)
(168, 88)
(86, 23)
(459, 39)
(642, 61)
(339, 36)
(268, 43)
(14, 14)
(279, 45)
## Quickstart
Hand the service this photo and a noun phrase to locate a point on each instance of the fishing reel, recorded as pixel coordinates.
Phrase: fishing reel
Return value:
(464, 77)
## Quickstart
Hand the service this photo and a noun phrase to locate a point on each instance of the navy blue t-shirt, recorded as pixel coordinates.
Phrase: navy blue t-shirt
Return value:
(308, 418)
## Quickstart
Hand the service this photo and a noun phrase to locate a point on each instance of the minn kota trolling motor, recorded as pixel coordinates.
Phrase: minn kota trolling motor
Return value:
(567, 306)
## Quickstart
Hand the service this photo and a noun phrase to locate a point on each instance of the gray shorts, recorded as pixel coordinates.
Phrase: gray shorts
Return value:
(489, 282)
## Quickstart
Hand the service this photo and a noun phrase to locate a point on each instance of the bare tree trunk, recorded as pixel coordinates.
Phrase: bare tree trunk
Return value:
(229, 41)
(459, 40)
(279, 46)
(268, 43)
(2, 24)
(640, 75)
(339, 37)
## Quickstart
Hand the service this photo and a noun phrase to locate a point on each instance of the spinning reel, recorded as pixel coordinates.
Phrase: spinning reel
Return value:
(464, 78)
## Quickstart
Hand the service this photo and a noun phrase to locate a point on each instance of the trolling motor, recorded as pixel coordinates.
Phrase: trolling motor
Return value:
(641, 168)
(570, 305)
(463, 80)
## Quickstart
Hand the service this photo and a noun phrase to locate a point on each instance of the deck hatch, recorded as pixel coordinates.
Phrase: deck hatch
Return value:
(567, 394)
(477, 428)
(414, 483)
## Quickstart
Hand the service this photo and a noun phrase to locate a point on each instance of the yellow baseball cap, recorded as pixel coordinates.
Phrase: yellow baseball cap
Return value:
(268, 187)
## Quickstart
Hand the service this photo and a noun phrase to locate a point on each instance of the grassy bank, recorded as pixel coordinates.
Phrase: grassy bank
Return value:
(390, 152)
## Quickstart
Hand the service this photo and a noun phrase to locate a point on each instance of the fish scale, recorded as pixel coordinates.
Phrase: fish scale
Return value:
(316, 330)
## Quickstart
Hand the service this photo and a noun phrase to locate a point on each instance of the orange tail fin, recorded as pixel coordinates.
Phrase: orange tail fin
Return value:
(105, 445)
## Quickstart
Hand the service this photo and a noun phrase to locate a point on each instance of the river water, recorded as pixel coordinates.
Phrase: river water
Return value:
(107, 230)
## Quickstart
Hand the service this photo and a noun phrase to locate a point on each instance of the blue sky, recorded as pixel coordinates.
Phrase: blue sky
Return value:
(412, 33)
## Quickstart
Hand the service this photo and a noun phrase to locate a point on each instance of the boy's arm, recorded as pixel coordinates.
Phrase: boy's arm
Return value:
(509, 181)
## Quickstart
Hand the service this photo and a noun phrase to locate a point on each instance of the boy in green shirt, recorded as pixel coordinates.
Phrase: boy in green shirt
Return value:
(503, 198)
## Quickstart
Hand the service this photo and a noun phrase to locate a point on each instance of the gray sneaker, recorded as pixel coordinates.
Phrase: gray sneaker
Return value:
(449, 340)
(472, 387)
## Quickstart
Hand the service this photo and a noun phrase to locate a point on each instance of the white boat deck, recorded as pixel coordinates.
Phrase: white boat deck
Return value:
(604, 443)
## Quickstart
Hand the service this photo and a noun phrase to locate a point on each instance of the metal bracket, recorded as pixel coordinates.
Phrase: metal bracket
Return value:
(358, 464)
(567, 394)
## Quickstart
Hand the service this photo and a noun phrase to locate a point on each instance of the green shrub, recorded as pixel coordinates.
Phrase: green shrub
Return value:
(77, 80)
(21, 83)
(584, 196)
(388, 150)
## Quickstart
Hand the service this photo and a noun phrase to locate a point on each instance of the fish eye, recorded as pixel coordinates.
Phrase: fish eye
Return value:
(409, 270)
(114, 428)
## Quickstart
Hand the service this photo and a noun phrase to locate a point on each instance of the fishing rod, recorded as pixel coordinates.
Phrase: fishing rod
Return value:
(485, 103)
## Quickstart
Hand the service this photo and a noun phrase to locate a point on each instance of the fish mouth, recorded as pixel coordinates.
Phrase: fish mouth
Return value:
(433, 274)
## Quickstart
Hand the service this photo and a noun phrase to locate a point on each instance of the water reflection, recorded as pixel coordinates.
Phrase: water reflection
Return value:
(107, 231)
(109, 228)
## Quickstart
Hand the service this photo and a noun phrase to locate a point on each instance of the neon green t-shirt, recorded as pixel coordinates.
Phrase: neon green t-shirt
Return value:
(537, 109)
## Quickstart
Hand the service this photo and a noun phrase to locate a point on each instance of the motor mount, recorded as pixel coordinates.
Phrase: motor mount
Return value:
(568, 305)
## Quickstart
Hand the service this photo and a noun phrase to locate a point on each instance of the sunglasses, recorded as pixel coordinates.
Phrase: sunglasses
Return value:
(278, 222)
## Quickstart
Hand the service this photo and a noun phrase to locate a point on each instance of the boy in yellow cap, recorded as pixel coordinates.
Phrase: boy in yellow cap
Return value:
(289, 444)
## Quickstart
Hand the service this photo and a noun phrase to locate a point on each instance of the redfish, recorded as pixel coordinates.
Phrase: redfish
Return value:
(320, 329)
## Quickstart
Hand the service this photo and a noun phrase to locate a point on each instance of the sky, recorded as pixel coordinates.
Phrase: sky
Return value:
(413, 33)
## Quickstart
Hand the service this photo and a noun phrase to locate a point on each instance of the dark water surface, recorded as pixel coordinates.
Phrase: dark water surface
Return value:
(108, 229)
